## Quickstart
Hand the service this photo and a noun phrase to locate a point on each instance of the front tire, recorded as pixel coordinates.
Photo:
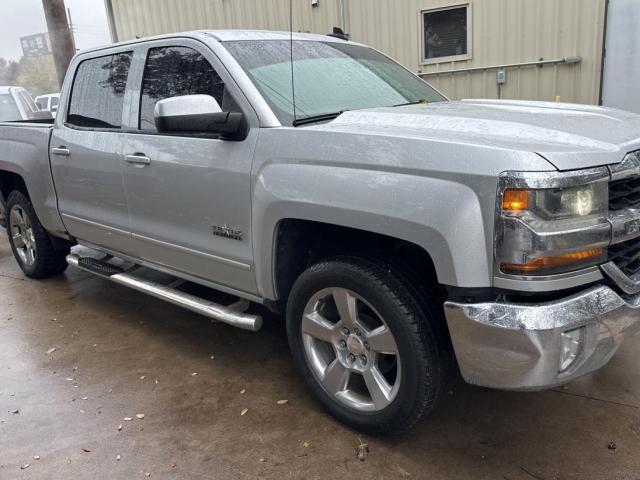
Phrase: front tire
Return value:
(365, 345)
(31, 245)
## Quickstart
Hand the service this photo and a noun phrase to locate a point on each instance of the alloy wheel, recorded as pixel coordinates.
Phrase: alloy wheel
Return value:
(22, 235)
(351, 350)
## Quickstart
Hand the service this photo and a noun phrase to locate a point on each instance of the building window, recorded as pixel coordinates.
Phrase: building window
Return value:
(446, 34)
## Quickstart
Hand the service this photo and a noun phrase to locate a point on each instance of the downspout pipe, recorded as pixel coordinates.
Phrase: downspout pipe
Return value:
(343, 16)
(108, 7)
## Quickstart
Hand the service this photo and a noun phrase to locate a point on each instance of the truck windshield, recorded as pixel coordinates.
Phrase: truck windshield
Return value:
(328, 78)
(8, 109)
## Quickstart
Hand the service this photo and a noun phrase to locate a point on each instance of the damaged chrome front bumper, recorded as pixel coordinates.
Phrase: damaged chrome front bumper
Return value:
(517, 346)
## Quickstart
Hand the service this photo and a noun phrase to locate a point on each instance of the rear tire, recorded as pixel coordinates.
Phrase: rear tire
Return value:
(3, 211)
(378, 384)
(31, 245)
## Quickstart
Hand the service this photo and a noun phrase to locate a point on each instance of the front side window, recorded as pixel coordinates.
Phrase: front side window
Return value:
(176, 71)
(97, 95)
(445, 33)
(328, 77)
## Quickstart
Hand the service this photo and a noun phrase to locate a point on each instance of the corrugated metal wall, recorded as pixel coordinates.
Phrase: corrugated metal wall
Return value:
(152, 17)
(503, 31)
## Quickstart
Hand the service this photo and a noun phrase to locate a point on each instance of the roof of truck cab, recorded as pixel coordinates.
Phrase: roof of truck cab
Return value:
(237, 35)
(226, 36)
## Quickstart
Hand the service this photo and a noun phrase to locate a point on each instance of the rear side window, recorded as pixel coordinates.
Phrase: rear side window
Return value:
(27, 102)
(97, 95)
(8, 110)
(175, 71)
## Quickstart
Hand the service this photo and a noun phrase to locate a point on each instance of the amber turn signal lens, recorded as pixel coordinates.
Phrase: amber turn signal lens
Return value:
(515, 200)
(553, 264)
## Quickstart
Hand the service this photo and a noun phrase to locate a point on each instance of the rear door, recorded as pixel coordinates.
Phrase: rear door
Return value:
(86, 151)
(189, 195)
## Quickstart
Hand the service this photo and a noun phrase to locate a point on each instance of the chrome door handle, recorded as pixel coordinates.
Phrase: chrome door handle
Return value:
(60, 151)
(137, 159)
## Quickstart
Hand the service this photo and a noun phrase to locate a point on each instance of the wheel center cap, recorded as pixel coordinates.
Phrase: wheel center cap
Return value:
(355, 345)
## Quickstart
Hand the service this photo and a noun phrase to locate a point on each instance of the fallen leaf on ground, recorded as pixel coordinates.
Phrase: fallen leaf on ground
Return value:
(147, 474)
(118, 457)
(51, 350)
(119, 427)
(282, 402)
(143, 377)
(127, 419)
(194, 374)
(156, 381)
(263, 460)
(403, 472)
(139, 416)
(85, 398)
(306, 443)
(15, 412)
(362, 451)
(612, 446)
(36, 457)
(243, 391)
(26, 465)
(244, 411)
(86, 450)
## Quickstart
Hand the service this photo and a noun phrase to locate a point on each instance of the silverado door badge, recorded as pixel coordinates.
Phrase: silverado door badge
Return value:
(227, 232)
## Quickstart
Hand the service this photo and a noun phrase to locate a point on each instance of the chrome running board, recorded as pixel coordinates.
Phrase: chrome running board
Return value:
(232, 314)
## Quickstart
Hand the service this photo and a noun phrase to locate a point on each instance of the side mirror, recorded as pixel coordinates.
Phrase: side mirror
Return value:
(195, 114)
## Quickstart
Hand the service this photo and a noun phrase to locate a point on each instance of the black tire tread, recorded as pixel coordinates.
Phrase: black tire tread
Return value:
(49, 261)
(415, 309)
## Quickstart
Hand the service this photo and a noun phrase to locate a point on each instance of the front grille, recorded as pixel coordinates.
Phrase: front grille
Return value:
(626, 256)
(624, 194)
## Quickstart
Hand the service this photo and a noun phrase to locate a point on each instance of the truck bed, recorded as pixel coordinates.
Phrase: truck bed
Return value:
(24, 151)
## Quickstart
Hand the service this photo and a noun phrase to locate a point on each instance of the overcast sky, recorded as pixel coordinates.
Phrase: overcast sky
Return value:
(19, 18)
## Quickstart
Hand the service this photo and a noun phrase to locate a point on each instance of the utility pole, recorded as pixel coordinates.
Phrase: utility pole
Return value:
(60, 35)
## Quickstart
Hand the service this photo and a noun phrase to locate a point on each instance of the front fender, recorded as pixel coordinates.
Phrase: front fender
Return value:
(438, 214)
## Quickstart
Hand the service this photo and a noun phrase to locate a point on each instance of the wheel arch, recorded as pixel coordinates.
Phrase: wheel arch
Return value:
(299, 243)
(10, 181)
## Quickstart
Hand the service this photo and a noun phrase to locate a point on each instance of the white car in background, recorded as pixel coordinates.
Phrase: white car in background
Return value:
(17, 105)
(48, 102)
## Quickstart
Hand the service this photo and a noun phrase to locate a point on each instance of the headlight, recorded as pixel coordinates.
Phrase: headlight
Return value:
(557, 203)
(553, 222)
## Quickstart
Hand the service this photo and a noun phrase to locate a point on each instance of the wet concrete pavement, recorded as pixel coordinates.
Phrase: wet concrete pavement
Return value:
(119, 353)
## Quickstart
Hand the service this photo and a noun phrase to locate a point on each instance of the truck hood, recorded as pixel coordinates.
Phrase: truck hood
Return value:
(569, 136)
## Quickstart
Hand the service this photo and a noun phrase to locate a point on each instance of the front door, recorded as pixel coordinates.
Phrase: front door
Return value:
(189, 196)
(86, 154)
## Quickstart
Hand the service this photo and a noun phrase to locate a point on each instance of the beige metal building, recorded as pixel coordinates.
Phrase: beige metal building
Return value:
(518, 49)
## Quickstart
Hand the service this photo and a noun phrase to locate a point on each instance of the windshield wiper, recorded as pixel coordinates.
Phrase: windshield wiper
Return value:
(317, 118)
(418, 102)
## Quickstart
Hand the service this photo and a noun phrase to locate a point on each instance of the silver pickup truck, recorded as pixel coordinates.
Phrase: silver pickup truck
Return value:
(403, 235)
